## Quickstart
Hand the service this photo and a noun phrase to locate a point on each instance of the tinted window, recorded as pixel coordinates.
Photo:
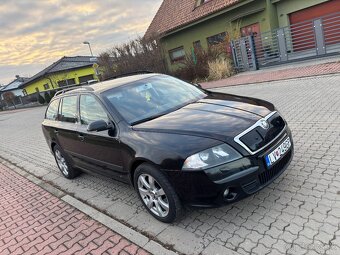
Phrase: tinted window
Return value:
(52, 111)
(69, 109)
(149, 98)
(91, 110)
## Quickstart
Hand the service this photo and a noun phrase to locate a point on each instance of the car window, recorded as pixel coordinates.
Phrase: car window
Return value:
(152, 97)
(52, 110)
(68, 108)
(91, 110)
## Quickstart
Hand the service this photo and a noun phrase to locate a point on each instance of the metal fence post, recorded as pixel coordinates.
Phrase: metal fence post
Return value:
(253, 54)
(244, 53)
(233, 51)
(319, 37)
(281, 39)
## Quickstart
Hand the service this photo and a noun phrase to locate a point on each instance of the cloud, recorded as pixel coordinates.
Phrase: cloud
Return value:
(35, 33)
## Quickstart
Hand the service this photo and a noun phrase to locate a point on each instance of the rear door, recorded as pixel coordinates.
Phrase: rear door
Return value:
(98, 151)
(66, 129)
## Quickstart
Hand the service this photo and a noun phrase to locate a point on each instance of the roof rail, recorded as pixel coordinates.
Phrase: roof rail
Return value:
(72, 88)
(128, 74)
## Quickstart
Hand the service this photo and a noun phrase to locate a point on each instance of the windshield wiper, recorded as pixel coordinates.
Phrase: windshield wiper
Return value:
(148, 118)
(163, 113)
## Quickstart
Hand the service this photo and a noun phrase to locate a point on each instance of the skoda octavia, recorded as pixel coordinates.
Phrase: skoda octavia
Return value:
(172, 141)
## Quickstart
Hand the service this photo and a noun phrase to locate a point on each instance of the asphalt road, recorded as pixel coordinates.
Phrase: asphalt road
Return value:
(297, 214)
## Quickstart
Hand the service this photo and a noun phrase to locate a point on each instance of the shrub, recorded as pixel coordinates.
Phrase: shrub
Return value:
(220, 68)
(47, 97)
(195, 65)
(52, 93)
(41, 99)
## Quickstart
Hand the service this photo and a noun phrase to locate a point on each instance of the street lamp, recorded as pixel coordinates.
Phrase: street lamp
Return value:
(89, 47)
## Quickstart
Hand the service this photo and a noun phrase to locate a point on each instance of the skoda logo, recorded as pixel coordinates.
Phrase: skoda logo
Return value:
(264, 124)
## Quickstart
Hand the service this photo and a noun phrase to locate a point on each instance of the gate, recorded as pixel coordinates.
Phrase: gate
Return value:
(304, 40)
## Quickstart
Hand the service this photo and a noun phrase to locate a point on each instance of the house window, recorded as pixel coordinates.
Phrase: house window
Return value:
(86, 78)
(197, 44)
(177, 54)
(67, 82)
(46, 86)
(217, 39)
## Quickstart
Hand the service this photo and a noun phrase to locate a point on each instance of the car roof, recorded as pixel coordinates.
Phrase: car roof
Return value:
(106, 85)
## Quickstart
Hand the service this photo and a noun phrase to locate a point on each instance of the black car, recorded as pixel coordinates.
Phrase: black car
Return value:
(173, 141)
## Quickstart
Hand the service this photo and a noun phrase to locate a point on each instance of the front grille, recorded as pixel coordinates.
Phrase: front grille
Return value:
(258, 137)
(269, 174)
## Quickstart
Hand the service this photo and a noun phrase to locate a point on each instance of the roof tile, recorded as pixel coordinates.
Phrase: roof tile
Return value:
(173, 14)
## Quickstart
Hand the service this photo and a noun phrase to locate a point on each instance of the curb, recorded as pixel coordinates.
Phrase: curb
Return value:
(135, 237)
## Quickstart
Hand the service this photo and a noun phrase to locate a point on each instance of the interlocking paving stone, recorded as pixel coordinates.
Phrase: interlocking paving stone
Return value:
(293, 213)
(32, 221)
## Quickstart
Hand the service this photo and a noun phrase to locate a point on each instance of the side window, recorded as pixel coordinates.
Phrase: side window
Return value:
(68, 112)
(91, 110)
(52, 111)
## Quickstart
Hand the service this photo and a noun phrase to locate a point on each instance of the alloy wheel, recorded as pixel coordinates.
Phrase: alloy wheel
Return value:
(61, 162)
(153, 195)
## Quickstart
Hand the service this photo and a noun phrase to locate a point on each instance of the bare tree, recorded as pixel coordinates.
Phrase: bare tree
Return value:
(135, 55)
(9, 97)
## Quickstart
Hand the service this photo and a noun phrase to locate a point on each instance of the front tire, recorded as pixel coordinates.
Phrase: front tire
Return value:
(156, 193)
(63, 164)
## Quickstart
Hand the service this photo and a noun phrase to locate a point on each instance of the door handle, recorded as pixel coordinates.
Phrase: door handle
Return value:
(81, 137)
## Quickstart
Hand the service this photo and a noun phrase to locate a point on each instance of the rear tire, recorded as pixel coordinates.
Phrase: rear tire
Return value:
(156, 193)
(63, 163)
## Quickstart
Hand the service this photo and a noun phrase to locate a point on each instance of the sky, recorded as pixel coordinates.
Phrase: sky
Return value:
(36, 33)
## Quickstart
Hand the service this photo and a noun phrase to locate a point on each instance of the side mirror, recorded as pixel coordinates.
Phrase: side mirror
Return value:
(98, 125)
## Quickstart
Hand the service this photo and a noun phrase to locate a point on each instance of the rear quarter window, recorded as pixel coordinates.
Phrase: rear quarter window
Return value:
(52, 110)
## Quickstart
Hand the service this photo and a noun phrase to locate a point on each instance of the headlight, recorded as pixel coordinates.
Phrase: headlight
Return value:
(211, 157)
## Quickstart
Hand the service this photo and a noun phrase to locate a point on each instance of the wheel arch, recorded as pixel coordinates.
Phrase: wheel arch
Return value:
(136, 163)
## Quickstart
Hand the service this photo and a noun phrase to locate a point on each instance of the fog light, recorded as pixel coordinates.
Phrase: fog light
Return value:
(226, 192)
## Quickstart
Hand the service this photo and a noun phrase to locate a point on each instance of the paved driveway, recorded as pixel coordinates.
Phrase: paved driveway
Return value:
(299, 213)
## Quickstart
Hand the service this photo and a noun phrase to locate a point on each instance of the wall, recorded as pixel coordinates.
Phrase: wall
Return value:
(285, 7)
(214, 26)
(54, 78)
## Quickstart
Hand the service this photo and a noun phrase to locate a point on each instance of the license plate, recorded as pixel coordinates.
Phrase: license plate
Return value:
(278, 153)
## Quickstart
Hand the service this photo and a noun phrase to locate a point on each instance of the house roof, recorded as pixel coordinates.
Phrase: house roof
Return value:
(63, 64)
(174, 14)
(15, 84)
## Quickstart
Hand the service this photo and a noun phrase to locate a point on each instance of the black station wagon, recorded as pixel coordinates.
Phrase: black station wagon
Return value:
(172, 141)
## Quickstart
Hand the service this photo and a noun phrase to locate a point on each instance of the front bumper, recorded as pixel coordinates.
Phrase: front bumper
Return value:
(242, 177)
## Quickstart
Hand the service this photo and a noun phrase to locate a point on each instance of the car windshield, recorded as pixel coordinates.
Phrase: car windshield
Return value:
(152, 97)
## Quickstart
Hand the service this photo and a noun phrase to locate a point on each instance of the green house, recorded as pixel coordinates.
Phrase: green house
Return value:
(186, 24)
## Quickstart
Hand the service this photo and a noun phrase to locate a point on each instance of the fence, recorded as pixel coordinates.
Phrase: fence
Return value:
(307, 39)
(29, 100)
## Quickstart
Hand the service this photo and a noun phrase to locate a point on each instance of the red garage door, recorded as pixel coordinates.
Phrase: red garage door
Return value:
(315, 11)
(302, 27)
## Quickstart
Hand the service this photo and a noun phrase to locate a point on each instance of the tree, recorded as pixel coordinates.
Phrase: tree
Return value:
(47, 97)
(41, 99)
(52, 93)
(9, 97)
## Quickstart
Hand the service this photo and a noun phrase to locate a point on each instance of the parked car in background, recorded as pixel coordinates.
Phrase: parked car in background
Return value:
(172, 141)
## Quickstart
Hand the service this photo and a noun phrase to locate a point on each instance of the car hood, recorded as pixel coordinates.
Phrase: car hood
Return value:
(211, 117)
